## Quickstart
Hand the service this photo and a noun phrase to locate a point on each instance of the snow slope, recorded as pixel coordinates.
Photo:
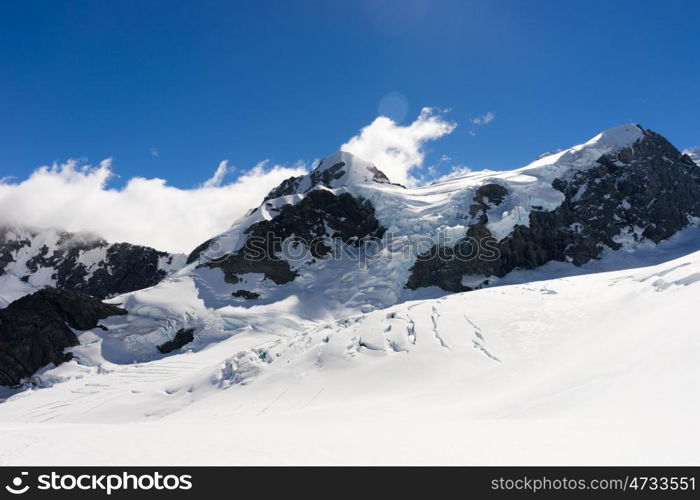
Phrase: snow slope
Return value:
(589, 369)
(560, 364)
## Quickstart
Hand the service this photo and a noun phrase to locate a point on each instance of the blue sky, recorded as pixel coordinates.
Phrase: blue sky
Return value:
(205, 81)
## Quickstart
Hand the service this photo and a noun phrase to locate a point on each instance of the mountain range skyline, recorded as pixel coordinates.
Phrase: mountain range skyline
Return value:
(78, 193)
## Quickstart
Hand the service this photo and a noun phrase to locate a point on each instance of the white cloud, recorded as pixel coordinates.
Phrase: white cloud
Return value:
(154, 152)
(397, 149)
(77, 197)
(484, 119)
(218, 177)
(145, 211)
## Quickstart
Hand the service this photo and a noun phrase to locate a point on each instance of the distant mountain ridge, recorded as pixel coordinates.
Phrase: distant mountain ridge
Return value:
(31, 259)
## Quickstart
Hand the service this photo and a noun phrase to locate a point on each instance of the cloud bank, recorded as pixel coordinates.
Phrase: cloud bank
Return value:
(150, 212)
(397, 149)
(144, 211)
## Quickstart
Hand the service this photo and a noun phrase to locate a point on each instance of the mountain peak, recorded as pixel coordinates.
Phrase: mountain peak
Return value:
(585, 155)
(620, 136)
(342, 168)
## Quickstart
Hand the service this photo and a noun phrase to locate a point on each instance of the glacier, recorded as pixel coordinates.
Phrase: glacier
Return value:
(560, 363)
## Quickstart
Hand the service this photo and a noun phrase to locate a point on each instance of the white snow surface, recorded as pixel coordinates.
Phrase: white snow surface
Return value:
(557, 365)
(597, 368)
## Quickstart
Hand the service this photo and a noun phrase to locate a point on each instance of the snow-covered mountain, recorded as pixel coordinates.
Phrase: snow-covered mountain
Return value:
(32, 259)
(346, 224)
(366, 311)
(597, 369)
(343, 239)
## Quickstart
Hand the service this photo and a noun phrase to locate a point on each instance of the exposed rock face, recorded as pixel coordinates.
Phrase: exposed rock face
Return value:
(81, 262)
(35, 330)
(182, 338)
(319, 216)
(649, 190)
(287, 187)
(245, 294)
(125, 268)
(486, 196)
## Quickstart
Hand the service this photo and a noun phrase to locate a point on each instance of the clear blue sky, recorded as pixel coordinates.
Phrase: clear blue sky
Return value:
(203, 81)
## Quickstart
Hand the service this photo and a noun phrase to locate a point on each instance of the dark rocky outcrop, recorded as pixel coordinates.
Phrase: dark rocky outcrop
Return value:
(126, 268)
(287, 187)
(182, 338)
(123, 268)
(486, 196)
(649, 190)
(349, 220)
(194, 254)
(319, 220)
(245, 294)
(35, 330)
(325, 177)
